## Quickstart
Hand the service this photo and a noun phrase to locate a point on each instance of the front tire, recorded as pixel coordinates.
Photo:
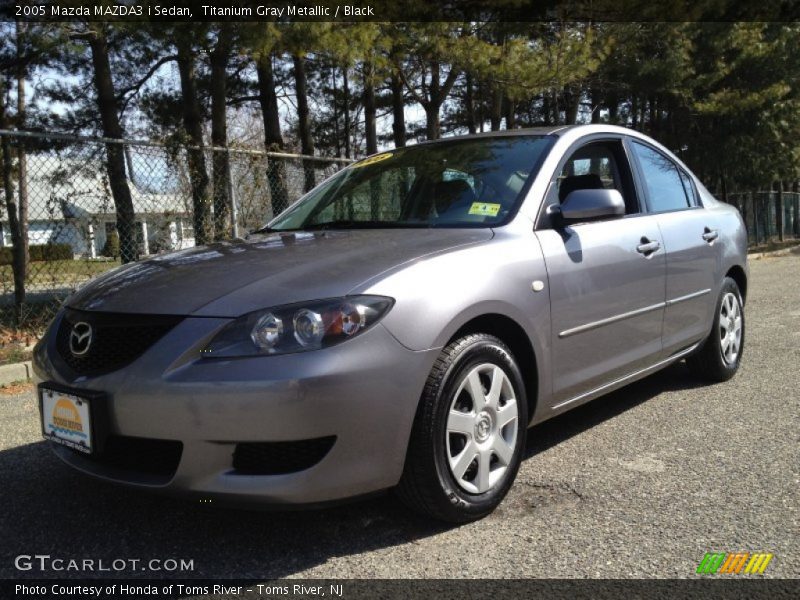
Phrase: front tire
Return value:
(469, 432)
(719, 358)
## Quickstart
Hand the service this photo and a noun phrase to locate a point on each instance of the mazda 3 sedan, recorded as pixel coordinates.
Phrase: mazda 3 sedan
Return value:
(401, 326)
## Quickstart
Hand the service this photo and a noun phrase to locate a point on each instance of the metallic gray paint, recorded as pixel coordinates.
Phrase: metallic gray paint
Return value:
(608, 315)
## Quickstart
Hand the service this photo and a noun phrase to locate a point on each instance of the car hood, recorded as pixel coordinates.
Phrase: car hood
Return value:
(229, 279)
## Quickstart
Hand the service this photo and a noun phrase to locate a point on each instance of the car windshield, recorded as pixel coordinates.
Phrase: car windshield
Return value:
(475, 182)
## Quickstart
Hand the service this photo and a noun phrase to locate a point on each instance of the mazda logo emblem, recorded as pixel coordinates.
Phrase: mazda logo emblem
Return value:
(80, 338)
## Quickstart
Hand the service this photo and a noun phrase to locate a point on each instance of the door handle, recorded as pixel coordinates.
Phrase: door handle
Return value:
(710, 235)
(647, 247)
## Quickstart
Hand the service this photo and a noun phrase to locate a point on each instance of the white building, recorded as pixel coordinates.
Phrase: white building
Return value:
(70, 202)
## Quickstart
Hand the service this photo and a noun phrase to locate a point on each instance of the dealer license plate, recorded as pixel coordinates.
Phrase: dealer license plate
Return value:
(66, 419)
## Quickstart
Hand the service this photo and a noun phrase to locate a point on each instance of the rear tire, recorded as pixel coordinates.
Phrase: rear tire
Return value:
(721, 353)
(469, 432)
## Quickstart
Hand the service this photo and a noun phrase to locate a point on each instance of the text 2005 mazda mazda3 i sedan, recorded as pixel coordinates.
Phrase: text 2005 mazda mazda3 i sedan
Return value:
(401, 326)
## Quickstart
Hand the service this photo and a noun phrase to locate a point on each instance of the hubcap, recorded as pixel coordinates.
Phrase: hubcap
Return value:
(482, 429)
(730, 328)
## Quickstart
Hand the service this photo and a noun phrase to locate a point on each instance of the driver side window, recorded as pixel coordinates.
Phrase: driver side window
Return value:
(597, 165)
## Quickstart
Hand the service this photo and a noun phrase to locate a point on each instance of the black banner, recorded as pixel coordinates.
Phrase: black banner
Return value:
(733, 588)
(397, 10)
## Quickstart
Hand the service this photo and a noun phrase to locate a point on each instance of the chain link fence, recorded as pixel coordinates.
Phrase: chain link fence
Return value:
(769, 215)
(85, 205)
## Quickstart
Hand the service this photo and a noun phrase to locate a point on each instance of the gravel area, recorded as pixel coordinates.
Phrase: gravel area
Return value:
(640, 483)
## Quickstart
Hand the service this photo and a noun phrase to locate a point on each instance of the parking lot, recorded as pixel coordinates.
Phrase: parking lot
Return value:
(641, 483)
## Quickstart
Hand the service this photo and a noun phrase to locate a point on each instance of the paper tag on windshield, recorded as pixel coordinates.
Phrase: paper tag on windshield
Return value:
(484, 209)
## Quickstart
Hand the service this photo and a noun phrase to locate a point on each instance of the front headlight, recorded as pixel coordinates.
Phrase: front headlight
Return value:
(298, 327)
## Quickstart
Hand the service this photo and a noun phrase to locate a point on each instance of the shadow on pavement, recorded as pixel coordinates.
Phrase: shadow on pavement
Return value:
(550, 433)
(50, 509)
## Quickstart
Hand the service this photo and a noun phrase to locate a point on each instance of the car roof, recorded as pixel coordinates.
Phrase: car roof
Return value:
(557, 130)
(571, 133)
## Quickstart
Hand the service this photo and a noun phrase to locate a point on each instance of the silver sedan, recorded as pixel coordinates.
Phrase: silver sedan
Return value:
(401, 326)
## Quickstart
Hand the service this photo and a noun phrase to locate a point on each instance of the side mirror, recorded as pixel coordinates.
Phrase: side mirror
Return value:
(588, 205)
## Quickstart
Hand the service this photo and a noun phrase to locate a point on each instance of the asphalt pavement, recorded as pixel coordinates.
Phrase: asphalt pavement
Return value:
(640, 483)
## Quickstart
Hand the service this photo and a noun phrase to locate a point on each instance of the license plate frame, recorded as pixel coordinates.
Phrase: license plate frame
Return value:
(88, 405)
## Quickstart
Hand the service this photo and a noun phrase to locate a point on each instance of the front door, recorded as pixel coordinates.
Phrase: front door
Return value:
(606, 281)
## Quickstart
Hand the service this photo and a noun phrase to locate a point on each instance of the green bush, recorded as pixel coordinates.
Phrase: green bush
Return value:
(111, 247)
(39, 253)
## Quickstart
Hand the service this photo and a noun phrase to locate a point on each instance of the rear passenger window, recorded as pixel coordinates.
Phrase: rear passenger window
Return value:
(662, 179)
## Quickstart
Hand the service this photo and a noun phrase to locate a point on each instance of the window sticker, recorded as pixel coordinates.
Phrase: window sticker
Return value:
(485, 209)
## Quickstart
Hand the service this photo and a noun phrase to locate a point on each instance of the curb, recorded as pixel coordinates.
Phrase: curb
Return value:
(15, 372)
(781, 252)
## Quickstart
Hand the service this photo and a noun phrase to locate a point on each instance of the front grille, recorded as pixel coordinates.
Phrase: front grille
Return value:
(117, 339)
(276, 458)
(139, 455)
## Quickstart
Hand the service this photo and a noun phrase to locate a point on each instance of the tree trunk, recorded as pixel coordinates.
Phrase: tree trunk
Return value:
(273, 140)
(347, 125)
(496, 115)
(268, 99)
(469, 104)
(724, 184)
(193, 124)
(433, 129)
(335, 108)
(572, 104)
(370, 109)
(433, 124)
(613, 109)
(115, 155)
(596, 98)
(546, 111)
(555, 107)
(398, 112)
(303, 118)
(22, 159)
(481, 106)
(642, 112)
(17, 257)
(220, 161)
(511, 117)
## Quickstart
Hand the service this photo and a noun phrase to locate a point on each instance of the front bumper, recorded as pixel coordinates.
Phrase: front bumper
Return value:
(364, 392)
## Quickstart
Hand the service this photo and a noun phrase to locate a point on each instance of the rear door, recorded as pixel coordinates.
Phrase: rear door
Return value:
(689, 237)
(606, 279)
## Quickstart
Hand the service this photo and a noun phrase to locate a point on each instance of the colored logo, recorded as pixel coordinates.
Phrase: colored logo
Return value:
(80, 338)
(67, 419)
(734, 563)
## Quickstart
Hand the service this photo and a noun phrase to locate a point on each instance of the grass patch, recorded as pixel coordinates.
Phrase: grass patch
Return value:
(58, 272)
(16, 345)
(13, 353)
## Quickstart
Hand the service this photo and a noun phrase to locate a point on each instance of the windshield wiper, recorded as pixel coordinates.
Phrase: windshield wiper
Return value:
(265, 229)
